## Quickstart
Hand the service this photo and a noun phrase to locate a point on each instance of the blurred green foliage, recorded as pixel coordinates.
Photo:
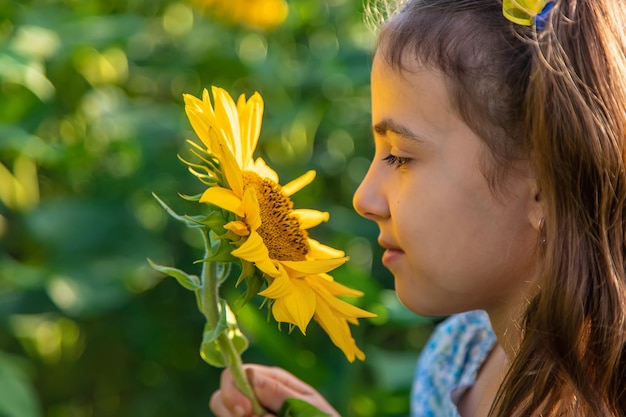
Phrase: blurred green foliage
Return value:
(91, 121)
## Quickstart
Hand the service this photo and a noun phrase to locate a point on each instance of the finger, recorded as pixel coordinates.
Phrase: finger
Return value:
(219, 408)
(270, 389)
(274, 385)
(229, 396)
(289, 381)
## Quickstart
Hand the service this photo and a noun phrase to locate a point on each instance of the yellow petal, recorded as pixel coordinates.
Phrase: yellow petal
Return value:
(264, 171)
(250, 117)
(228, 164)
(348, 310)
(224, 198)
(251, 208)
(299, 183)
(310, 218)
(192, 101)
(254, 250)
(318, 250)
(196, 104)
(338, 330)
(282, 314)
(206, 99)
(200, 114)
(281, 286)
(297, 307)
(352, 320)
(228, 119)
(302, 268)
(332, 286)
(329, 289)
(237, 227)
(198, 123)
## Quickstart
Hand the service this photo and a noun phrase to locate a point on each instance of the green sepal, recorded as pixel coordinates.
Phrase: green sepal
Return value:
(222, 253)
(190, 282)
(211, 161)
(293, 407)
(184, 219)
(227, 324)
(213, 221)
(247, 270)
(254, 282)
(210, 171)
(208, 180)
(211, 168)
(193, 198)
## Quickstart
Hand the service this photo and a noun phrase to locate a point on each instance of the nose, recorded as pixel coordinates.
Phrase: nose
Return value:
(369, 198)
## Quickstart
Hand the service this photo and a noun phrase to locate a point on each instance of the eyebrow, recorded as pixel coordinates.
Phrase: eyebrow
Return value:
(389, 125)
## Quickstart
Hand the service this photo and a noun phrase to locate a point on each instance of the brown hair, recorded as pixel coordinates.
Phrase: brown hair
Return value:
(557, 98)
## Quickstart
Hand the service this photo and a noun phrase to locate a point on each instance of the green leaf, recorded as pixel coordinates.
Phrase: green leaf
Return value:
(227, 324)
(191, 282)
(294, 407)
(210, 349)
(240, 341)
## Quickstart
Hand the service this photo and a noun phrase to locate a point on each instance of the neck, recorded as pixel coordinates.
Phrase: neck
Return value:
(506, 325)
(507, 314)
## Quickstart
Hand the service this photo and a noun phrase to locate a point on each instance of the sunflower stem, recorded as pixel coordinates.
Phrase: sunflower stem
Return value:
(210, 309)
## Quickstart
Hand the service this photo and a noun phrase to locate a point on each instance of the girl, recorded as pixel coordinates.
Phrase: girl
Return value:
(499, 184)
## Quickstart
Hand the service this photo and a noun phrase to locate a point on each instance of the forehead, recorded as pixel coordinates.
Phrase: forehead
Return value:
(413, 85)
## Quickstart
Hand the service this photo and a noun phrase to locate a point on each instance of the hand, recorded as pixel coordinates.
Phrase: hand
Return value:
(272, 387)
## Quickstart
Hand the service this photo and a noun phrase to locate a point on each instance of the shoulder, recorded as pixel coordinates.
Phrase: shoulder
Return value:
(461, 332)
(450, 361)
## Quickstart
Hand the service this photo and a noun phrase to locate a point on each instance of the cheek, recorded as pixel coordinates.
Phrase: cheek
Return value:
(437, 209)
(453, 223)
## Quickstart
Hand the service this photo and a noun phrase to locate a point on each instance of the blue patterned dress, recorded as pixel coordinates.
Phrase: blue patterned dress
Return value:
(449, 363)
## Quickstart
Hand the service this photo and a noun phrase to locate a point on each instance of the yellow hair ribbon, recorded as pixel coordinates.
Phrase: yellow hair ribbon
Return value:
(523, 12)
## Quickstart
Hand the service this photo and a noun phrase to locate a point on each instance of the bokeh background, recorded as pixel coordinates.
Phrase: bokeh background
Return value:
(91, 122)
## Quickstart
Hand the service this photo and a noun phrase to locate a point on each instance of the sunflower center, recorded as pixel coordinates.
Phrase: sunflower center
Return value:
(280, 229)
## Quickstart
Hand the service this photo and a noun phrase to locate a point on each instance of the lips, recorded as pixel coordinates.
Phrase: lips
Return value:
(392, 252)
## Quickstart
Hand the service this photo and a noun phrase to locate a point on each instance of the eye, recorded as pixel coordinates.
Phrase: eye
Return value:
(396, 161)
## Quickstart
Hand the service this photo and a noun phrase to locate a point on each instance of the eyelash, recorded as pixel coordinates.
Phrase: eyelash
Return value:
(396, 161)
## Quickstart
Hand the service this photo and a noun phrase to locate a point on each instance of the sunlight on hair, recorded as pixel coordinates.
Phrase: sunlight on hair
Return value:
(376, 12)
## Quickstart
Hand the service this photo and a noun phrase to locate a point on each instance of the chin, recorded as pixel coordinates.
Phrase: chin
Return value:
(416, 307)
(424, 307)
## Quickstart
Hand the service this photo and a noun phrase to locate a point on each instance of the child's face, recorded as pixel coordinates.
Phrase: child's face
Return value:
(452, 245)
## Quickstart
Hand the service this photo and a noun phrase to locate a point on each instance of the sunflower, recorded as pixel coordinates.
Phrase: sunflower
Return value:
(267, 231)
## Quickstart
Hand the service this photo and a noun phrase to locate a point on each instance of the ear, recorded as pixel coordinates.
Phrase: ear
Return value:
(536, 212)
